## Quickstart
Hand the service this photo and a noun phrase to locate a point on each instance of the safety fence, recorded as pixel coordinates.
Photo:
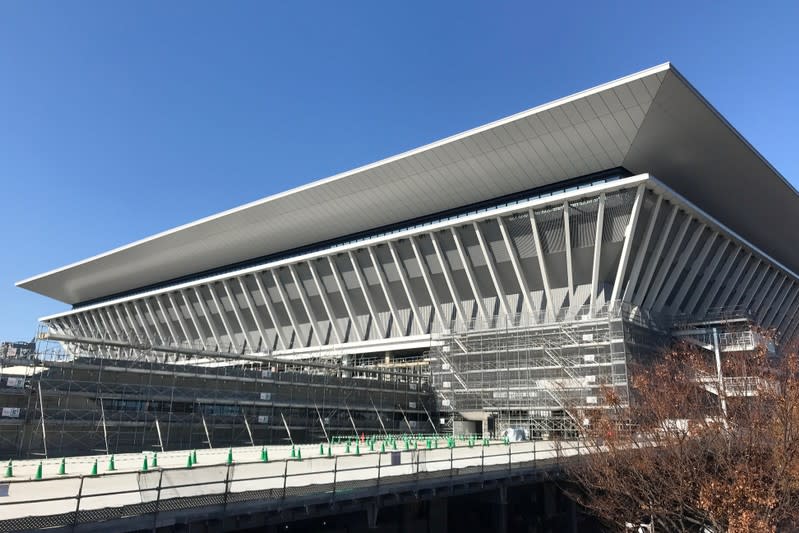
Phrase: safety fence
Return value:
(73, 500)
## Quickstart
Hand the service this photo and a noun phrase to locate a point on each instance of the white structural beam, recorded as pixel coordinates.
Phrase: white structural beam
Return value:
(666, 266)
(125, 325)
(345, 295)
(270, 309)
(133, 315)
(284, 297)
(765, 291)
(770, 311)
(184, 327)
(467, 267)
(542, 266)
(428, 282)
(320, 288)
(162, 335)
(568, 238)
(524, 286)
(629, 290)
(679, 268)
(732, 283)
(381, 279)
(167, 319)
(407, 288)
(629, 234)
(600, 218)
(110, 326)
(457, 301)
(370, 304)
(790, 313)
(783, 317)
(492, 270)
(223, 316)
(208, 319)
(706, 275)
(755, 287)
(153, 336)
(234, 304)
(638, 296)
(201, 333)
(265, 346)
(723, 273)
(313, 320)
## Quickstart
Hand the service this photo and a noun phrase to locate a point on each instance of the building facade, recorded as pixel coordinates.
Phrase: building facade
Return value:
(512, 272)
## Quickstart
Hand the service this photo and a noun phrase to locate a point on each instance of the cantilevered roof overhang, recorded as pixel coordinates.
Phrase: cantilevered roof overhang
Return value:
(650, 122)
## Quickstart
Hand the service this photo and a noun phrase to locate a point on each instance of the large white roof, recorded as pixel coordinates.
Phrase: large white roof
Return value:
(653, 121)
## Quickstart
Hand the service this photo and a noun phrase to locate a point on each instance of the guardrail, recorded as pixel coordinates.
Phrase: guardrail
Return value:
(70, 501)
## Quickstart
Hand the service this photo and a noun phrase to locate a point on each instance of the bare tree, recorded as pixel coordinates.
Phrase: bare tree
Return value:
(695, 453)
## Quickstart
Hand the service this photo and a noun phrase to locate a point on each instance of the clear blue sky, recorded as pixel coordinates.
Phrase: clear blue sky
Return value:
(122, 119)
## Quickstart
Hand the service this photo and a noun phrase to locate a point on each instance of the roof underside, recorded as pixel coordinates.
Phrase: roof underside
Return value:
(653, 121)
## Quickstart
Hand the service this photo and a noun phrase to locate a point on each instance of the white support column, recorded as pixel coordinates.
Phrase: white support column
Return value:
(123, 323)
(223, 315)
(407, 288)
(714, 289)
(629, 235)
(745, 287)
(457, 301)
(345, 295)
(428, 282)
(78, 326)
(568, 237)
(320, 287)
(769, 312)
(367, 296)
(270, 309)
(107, 319)
(706, 275)
(289, 310)
(732, 283)
(94, 325)
(467, 267)
(790, 311)
(265, 345)
(400, 328)
(492, 270)
(208, 319)
(765, 291)
(750, 297)
(167, 320)
(658, 286)
(313, 320)
(135, 320)
(524, 286)
(152, 336)
(181, 319)
(162, 335)
(629, 290)
(194, 319)
(638, 296)
(539, 252)
(251, 339)
(600, 219)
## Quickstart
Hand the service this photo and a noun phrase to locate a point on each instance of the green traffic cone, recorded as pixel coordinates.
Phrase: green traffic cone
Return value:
(94, 469)
(111, 464)
(229, 459)
(189, 462)
(263, 455)
(155, 460)
(407, 446)
(394, 444)
(299, 454)
(38, 474)
(321, 449)
(194, 457)
(62, 468)
(357, 449)
(293, 452)
(347, 447)
(330, 451)
(371, 445)
(383, 447)
(144, 467)
(9, 469)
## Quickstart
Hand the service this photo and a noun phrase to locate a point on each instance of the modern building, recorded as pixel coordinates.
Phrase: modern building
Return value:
(501, 277)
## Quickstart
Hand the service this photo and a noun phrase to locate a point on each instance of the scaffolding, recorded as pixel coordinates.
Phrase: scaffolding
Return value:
(540, 377)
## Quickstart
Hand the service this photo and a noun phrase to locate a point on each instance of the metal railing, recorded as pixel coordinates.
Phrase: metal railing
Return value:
(72, 500)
